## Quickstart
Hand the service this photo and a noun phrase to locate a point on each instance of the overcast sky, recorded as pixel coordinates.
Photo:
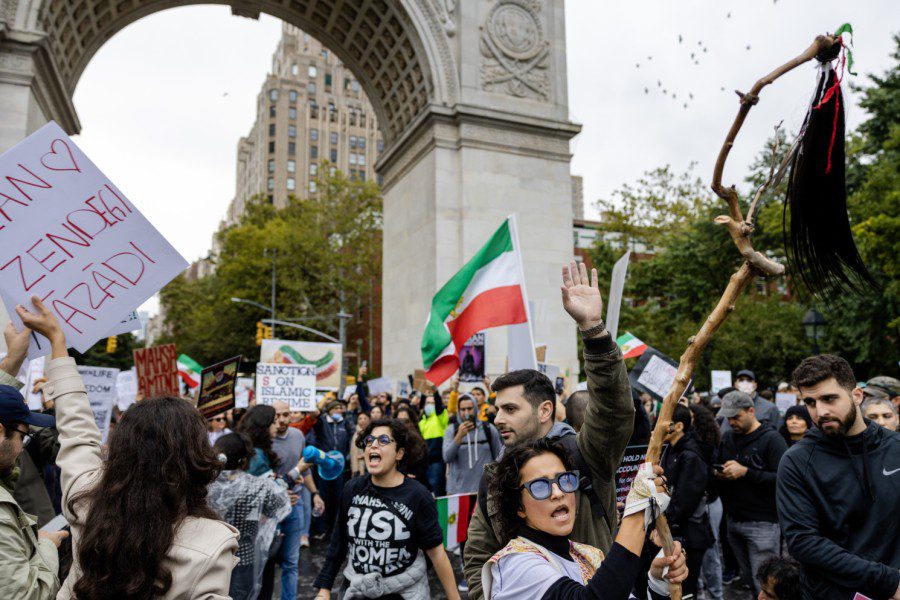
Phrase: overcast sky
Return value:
(163, 103)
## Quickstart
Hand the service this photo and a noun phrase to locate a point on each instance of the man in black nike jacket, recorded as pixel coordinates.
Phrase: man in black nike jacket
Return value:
(838, 491)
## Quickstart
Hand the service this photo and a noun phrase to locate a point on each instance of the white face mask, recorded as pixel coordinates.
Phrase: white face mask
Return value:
(748, 387)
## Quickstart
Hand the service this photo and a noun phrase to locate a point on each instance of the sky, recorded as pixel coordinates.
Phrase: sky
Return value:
(163, 103)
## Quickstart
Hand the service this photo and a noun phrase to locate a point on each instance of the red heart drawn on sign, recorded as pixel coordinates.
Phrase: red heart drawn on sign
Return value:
(54, 155)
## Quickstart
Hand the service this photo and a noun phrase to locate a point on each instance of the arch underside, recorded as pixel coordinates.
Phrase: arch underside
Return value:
(378, 40)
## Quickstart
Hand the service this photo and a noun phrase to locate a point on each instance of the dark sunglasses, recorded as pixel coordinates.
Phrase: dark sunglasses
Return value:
(542, 487)
(383, 440)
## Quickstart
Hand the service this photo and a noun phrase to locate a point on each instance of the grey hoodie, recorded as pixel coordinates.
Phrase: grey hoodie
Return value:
(466, 461)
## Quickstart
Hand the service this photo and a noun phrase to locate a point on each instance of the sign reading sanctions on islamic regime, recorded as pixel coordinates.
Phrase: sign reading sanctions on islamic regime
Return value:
(292, 384)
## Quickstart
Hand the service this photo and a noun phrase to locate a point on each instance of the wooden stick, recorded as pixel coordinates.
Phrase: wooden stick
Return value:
(754, 263)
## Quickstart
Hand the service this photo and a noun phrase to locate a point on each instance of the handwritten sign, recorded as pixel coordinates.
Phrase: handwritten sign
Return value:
(157, 370)
(100, 383)
(126, 388)
(627, 471)
(293, 384)
(242, 391)
(72, 238)
(654, 373)
(217, 387)
(720, 381)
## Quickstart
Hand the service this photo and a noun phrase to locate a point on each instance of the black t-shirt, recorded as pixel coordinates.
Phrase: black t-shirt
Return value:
(377, 537)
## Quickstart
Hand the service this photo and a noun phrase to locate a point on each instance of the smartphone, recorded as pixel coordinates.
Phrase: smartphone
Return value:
(365, 363)
(719, 467)
(55, 524)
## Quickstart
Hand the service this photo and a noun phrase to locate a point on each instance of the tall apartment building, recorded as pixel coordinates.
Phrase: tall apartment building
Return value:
(310, 111)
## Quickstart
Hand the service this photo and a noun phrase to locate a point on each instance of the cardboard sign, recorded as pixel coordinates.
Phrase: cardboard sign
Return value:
(628, 468)
(73, 239)
(616, 289)
(100, 383)
(217, 387)
(243, 389)
(720, 381)
(420, 383)
(293, 384)
(654, 373)
(471, 359)
(126, 389)
(157, 370)
(785, 400)
(325, 357)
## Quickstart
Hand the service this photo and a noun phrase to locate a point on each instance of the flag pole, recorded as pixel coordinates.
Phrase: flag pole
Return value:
(517, 249)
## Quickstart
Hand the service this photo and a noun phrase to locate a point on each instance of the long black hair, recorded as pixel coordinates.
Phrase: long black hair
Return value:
(255, 425)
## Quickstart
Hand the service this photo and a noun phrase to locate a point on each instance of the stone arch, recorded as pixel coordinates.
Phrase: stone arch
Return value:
(397, 48)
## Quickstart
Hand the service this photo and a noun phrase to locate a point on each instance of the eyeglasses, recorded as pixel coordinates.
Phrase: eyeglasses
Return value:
(26, 435)
(383, 440)
(542, 487)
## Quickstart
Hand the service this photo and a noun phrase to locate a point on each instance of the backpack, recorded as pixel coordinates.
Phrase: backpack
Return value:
(569, 442)
(487, 433)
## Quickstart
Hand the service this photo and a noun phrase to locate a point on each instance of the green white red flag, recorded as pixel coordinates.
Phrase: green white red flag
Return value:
(454, 514)
(489, 291)
(189, 371)
(630, 345)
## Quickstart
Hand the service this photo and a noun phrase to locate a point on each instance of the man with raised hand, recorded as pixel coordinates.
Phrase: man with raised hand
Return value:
(525, 404)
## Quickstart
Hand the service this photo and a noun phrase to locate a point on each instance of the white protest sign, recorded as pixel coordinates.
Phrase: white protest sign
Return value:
(73, 239)
(785, 400)
(35, 372)
(130, 323)
(403, 388)
(242, 388)
(658, 376)
(100, 383)
(720, 381)
(381, 384)
(551, 371)
(126, 388)
(293, 384)
(349, 391)
(616, 289)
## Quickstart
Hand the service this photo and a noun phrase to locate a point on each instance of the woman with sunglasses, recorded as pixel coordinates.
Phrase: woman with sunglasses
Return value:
(386, 524)
(218, 427)
(537, 483)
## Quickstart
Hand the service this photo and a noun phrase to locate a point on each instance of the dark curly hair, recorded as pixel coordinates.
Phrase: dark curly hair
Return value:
(505, 483)
(410, 442)
(255, 425)
(784, 572)
(816, 369)
(705, 427)
(160, 464)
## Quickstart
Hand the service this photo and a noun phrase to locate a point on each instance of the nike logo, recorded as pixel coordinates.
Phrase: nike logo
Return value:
(888, 473)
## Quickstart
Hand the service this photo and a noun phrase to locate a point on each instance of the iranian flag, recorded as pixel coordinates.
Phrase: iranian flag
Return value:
(630, 345)
(189, 371)
(488, 291)
(454, 513)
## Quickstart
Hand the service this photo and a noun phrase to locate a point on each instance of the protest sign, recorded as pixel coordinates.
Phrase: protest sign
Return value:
(785, 400)
(381, 384)
(126, 389)
(628, 468)
(654, 373)
(73, 239)
(551, 371)
(35, 372)
(403, 388)
(100, 383)
(130, 323)
(325, 357)
(420, 383)
(157, 370)
(242, 391)
(471, 359)
(217, 387)
(293, 384)
(616, 289)
(349, 391)
(720, 381)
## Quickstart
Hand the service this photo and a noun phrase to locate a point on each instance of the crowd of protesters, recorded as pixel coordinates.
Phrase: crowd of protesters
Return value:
(794, 504)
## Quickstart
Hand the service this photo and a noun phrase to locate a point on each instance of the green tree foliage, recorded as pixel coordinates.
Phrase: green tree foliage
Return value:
(328, 252)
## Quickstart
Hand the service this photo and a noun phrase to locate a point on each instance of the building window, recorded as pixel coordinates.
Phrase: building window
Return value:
(332, 112)
(314, 152)
(313, 187)
(292, 148)
(361, 159)
(313, 169)
(271, 147)
(362, 119)
(272, 111)
(325, 54)
(271, 165)
(293, 95)
(362, 176)
(334, 138)
(271, 199)
(380, 146)
(332, 171)
(295, 70)
(273, 95)
(353, 141)
(362, 143)
(292, 166)
(314, 134)
(354, 85)
(333, 156)
(352, 117)
(291, 184)
(271, 129)
(328, 80)
(346, 83)
(352, 158)
(311, 87)
(313, 109)
(292, 131)
(271, 183)
(312, 72)
(292, 113)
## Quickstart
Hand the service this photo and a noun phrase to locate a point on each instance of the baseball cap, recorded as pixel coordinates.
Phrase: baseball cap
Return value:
(746, 373)
(888, 386)
(14, 410)
(733, 402)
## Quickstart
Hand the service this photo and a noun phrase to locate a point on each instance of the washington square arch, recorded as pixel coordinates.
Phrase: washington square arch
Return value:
(471, 98)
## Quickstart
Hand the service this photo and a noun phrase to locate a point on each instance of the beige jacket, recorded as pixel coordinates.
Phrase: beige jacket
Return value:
(203, 552)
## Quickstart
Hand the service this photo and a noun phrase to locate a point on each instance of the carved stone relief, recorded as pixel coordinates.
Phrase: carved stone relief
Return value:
(515, 53)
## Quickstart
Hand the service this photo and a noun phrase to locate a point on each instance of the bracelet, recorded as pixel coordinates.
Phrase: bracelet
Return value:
(596, 329)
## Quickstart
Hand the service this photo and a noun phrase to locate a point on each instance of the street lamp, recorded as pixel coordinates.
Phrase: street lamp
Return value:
(814, 326)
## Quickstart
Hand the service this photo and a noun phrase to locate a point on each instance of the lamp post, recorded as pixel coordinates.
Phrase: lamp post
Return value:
(814, 326)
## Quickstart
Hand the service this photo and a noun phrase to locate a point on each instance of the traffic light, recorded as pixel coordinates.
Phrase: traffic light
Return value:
(111, 343)
(267, 333)
(260, 333)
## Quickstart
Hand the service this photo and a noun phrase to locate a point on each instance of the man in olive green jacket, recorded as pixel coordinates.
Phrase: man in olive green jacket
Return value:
(525, 414)
(28, 557)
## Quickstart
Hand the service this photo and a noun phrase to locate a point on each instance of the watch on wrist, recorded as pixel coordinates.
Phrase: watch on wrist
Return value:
(595, 330)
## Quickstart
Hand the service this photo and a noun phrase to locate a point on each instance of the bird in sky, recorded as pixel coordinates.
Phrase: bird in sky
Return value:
(679, 38)
(646, 90)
